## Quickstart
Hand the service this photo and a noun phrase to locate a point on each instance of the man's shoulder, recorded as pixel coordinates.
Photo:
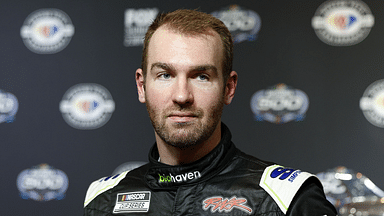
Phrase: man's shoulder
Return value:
(253, 161)
(284, 183)
(279, 182)
(102, 185)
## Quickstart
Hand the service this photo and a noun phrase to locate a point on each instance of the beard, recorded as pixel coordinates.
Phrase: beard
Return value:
(184, 135)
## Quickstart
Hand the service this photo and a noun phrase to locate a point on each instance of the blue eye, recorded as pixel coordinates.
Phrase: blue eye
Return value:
(165, 76)
(203, 77)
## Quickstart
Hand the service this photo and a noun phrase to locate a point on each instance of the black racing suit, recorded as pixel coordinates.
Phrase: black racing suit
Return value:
(224, 182)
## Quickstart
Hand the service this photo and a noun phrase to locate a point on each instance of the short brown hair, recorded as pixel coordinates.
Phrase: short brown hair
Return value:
(192, 22)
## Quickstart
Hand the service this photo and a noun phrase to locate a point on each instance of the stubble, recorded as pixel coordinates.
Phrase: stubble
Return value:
(183, 135)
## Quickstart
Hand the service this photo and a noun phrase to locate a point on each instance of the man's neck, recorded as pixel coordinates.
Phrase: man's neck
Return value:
(178, 156)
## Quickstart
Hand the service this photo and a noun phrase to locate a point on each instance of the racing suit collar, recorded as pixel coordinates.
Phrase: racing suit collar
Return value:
(163, 176)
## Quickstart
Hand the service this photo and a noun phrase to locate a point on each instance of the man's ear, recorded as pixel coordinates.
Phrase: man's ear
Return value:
(140, 83)
(230, 87)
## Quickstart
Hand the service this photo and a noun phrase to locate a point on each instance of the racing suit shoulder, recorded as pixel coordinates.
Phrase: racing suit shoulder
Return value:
(295, 192)
(101, 194)
(310, 200)
(282, 184)
(103, 184)
(255, 162)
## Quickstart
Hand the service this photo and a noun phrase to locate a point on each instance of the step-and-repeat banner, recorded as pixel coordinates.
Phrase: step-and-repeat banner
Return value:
(310, 95)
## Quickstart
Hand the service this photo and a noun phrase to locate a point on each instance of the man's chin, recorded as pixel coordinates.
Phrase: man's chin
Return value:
(182, 125)
(184, 134)
(182, 143)
(182, 137)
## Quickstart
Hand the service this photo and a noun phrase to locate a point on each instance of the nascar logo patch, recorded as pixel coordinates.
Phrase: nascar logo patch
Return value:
(132, 202)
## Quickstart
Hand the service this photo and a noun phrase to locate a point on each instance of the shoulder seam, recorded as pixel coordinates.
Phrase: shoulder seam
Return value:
(253, 161)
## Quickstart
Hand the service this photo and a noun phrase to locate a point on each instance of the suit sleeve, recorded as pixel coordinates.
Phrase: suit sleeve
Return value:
(311, 201)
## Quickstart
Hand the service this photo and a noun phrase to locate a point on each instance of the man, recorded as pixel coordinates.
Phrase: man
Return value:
(194, 168)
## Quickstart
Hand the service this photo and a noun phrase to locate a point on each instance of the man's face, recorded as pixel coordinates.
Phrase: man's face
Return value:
(184, 90)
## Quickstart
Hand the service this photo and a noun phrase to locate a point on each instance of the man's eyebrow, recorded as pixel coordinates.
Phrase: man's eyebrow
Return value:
(163, 66)
(204, 68)
(169, 67)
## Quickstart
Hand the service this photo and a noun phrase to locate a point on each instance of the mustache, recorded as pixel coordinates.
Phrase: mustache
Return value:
(171, 111)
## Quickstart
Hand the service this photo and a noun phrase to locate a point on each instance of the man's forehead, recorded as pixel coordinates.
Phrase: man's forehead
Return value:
(166, 40)
(167, 28)
(166, 32)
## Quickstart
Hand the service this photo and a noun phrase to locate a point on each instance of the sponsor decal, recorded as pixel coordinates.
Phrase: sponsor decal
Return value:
(243, 24)
(42, 183)
(279, 104)
(372, 103)
(136, 23)
(8, 107)
(343, 22)
(221, 204)
(132, 202)
(47, 31)
(179, 178)
(282, 184)
(111, 177)
(87, 106)
(284, 173)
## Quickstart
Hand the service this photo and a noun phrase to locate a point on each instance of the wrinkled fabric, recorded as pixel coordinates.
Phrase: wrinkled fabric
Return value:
(224, 182)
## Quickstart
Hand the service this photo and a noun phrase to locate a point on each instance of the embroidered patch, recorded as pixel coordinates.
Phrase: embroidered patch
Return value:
(282, 184)
(132, 202)
(220, 204)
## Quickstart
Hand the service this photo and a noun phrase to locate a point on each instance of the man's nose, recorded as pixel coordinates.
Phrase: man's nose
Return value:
(182, 94)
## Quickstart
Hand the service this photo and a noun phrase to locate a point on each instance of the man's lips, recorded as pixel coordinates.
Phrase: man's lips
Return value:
(181, 114)
(182, 117)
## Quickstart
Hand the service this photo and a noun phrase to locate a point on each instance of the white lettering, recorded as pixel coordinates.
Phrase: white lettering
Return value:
(43, 182)
(140, 17)
(197, 174)
(132, 205)
(190, 176)
(278, 104)
(135, 196)
(186, 176)
(172, 178)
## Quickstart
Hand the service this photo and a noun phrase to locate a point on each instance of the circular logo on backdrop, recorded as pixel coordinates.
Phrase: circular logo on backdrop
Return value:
(87, 106)
(343, 22)
(279, 104)
(372, 103)
(243, 24)
(8, 107)
(47, 31)
(42, 183)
